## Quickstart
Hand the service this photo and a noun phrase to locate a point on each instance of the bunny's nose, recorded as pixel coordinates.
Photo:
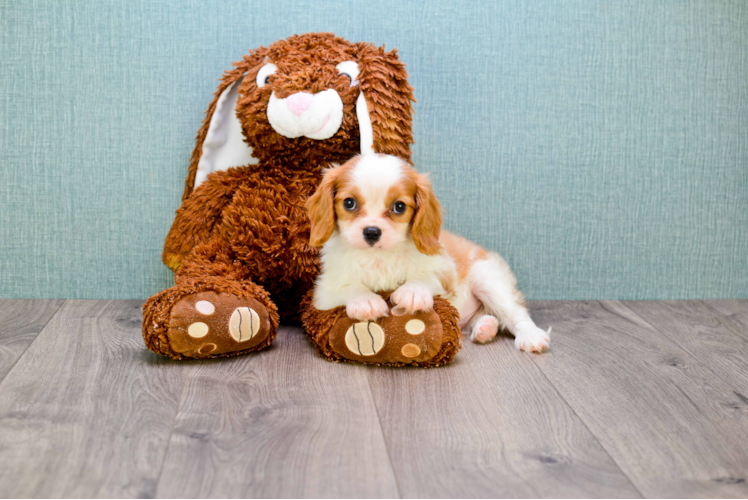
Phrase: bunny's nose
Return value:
(299, 102)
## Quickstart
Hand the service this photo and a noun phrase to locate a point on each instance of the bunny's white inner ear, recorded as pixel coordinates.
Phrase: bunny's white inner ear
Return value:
(366, 132)
(364, 125)
(224, 145)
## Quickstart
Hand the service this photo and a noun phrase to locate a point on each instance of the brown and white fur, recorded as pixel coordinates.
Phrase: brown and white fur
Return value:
(389, 238)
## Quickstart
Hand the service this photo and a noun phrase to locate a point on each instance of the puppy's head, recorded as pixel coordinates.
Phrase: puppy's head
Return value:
(376, 201)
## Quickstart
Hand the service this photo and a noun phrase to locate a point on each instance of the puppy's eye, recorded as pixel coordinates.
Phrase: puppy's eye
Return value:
(349, 204)
(398, 207)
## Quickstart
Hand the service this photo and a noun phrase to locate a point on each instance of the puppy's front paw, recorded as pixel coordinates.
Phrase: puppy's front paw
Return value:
(411, 297)
(367, 307)
(530, 338)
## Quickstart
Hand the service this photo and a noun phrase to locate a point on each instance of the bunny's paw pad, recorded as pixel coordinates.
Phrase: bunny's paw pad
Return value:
(210, 324)
(406, 339)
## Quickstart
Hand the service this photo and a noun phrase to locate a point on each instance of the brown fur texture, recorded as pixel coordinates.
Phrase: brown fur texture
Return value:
(319, 324)
(245, 231)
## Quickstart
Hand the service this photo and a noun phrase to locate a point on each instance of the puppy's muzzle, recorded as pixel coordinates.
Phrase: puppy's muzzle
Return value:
(372, 234)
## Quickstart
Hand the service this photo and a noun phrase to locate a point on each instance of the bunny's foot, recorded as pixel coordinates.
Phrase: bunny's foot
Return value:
(217, 321)
(424, 338)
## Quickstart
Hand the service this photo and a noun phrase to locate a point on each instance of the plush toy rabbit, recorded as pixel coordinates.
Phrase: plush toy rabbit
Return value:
(239, 245)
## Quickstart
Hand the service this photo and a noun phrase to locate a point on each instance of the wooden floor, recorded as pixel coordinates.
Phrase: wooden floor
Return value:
(635, 399)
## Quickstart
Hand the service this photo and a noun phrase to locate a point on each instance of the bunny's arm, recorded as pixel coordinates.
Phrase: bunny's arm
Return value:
(199, 214)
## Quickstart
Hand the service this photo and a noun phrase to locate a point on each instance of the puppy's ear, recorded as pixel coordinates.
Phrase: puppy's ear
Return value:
(427, 222)
(321, 207)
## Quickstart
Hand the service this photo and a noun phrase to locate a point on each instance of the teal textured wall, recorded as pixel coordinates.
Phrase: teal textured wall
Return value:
(601, 147)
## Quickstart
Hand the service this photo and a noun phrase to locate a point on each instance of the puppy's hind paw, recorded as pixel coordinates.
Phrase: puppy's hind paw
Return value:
(367, 307)
(530, 338)
(485, 329)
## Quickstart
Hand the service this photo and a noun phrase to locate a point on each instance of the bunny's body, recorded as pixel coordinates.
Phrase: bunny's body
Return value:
(239, 245)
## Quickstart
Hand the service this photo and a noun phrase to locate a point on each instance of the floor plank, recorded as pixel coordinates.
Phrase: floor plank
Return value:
(489, 425)
(664, 417)
(653, 392)
(87, 411)
(282, 422)
(736, 309)
(708, 335)
(20, 323)
(736, 312)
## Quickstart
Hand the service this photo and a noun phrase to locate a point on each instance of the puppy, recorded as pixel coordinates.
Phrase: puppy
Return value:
(379, 225)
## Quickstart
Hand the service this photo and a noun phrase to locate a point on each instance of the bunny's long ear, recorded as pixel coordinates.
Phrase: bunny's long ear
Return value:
(220, 142)
(386, 97)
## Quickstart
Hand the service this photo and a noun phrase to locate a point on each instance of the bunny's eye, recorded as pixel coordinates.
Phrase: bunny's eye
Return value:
(263, 76)
(398, 208)
(349, 69)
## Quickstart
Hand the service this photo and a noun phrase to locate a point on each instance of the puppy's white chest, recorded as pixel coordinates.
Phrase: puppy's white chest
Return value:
(381, 273)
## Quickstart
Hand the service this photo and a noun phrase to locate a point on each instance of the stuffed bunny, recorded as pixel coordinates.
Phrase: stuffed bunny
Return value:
(239, 246)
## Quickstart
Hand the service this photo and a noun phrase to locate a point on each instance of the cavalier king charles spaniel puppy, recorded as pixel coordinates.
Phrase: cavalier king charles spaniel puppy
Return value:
(379, 225)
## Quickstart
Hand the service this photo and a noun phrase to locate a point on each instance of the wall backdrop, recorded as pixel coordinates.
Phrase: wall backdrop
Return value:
(601, 147)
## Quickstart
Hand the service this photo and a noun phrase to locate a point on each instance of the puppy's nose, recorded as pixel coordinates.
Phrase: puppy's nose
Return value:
(299, 102)
(372, 234)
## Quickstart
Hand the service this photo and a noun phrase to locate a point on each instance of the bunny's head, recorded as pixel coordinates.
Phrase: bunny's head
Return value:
(305, 102)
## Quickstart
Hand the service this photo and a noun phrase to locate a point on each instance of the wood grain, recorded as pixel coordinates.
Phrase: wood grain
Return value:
(20, 323)
(715, 339)
(665, 418)
(737, 308)
(87, 411)
(489, 425)
(735, 313)
(282, 422)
